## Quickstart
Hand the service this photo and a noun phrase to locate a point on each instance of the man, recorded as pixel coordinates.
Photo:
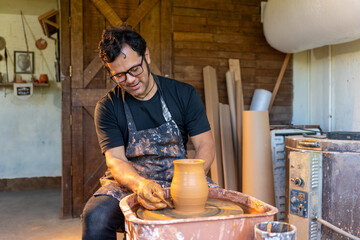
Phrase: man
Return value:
(142, 125)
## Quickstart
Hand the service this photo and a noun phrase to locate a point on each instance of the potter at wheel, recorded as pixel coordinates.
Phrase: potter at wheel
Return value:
(213, 207)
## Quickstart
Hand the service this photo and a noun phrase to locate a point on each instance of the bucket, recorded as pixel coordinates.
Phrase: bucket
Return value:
(275, 230)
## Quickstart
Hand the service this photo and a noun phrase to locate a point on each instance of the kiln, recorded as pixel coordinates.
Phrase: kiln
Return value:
(323, 187)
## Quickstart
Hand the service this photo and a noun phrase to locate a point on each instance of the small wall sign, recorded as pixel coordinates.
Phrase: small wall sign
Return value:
(23, 90)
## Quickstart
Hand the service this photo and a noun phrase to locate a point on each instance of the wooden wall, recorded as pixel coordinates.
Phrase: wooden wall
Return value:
(209, 32)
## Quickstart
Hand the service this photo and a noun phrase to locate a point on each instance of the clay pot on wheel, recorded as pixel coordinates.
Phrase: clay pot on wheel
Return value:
(189, 189)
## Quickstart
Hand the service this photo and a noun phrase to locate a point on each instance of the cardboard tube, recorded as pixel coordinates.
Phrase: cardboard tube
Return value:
(260, 100)
(257, 177)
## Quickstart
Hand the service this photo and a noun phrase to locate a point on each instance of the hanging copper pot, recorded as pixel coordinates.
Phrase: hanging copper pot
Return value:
(41, 43)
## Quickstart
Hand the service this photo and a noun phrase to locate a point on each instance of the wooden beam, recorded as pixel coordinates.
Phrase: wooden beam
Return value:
(86, 97)
(150, 30)
(166, 37)
(78, 161)
(66, 186)
(91, 70)
(140, 12)
(77, 53)
(108, 12)
(278, 81)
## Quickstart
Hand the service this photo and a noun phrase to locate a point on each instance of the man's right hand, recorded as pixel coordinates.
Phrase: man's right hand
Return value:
(147, 193)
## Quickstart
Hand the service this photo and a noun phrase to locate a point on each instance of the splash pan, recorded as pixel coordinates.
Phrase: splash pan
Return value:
(217, 227)
(212, 208)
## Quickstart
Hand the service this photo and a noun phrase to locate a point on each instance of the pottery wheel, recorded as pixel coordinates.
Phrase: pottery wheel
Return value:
(213, 207)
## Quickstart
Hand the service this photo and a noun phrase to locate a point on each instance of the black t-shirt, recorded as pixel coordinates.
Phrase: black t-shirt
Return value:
(182, 100)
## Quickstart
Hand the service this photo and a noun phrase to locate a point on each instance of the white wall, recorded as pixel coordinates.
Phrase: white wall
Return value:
(326, 87)
(30, 132)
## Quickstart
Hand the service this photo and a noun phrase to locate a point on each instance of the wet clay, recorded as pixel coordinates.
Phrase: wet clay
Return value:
(189, 188)
(213, 207)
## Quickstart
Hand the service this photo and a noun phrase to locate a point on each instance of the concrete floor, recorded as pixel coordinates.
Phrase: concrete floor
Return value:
(34, 215)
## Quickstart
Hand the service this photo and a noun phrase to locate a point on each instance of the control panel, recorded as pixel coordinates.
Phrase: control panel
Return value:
(305, 189)
(299, 203)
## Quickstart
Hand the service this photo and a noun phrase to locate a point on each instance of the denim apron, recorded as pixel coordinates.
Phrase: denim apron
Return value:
(151, 152)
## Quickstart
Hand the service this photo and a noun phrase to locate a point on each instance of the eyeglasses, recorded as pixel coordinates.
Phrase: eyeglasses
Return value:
(134, 71)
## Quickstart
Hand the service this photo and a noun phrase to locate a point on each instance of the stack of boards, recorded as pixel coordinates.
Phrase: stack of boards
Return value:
(234, 141)
(226, 124)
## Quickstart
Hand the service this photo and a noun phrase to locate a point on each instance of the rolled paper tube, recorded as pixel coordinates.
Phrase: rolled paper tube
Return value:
(257, 176)
(260, 100)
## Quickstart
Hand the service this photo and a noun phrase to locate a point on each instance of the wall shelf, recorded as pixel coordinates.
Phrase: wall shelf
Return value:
(11, 84)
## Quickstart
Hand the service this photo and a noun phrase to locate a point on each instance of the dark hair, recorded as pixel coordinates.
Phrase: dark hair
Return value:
(113, 40)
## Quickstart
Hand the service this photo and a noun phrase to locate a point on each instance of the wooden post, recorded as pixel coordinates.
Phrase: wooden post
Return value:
(278, 81)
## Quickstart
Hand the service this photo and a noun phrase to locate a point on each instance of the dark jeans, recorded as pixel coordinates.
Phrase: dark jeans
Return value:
(101, 218)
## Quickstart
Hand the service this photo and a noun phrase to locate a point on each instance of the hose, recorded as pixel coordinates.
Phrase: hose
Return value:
(336, 229)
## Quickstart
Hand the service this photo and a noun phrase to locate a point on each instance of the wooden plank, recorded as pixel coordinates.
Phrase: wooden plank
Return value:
(247, 19)
(231, 38)
(234, 66)
(278, 81)
(91, 70)
(178, 27)
(90, 110)
(212, 112)
(155, 69)
(216, 47)
(150, 30)
(92, 184)
(227, 149)
(166, 38)
(230, 86)
(86, 97)
(94, 161)
(191, 36)
(77, 161)
(190, 20)
(66, 186)
(242, 23)
(108, 12)
(219, 6)
(239, 126)
(140, 12)
(213, 54)
(77, 57)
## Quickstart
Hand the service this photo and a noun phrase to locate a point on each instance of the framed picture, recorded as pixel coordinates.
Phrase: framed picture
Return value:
(24, 62)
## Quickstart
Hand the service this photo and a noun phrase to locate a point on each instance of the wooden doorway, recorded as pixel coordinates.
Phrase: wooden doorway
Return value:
(85, 81)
